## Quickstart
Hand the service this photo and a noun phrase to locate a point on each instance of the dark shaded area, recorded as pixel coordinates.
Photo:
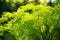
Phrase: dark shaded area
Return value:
(8, 36)
(5, 22)
(25, 2)
(37, 2)
(1, 38)
(6, 7)
(50, 3)
(29, 11)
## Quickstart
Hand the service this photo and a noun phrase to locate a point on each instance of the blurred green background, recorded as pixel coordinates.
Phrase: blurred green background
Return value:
(29, 19)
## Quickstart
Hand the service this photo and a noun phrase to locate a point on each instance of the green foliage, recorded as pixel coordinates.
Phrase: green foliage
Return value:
(56, 2)
(31, 22)
(10, 5)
